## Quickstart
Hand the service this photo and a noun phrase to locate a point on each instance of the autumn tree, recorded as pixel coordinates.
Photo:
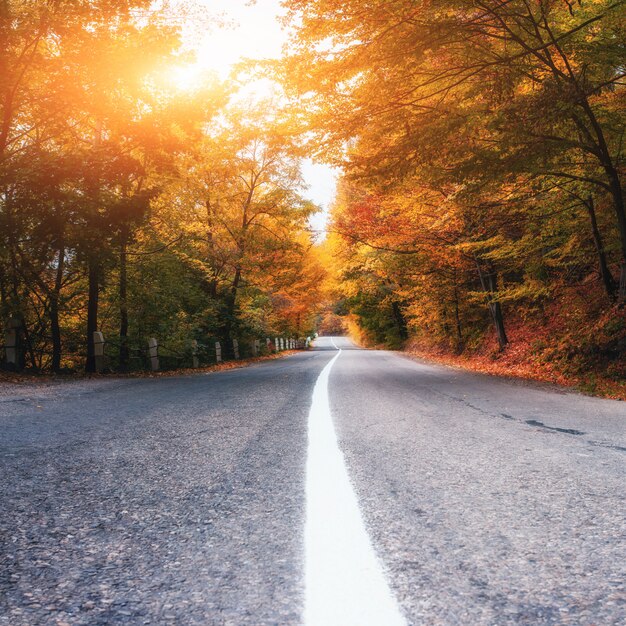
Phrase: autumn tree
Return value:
(78, 125)
(239, 212)
(503, 117)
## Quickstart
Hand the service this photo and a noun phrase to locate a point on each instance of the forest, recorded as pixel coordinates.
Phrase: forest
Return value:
(481, 142)
(133, 208)
(480, 207)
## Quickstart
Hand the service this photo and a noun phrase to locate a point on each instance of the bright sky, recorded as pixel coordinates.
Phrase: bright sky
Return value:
(251, 31)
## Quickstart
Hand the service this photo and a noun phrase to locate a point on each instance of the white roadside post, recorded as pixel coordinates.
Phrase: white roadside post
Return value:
(12, 342)
(98, 350)
(277, 344)
(153, 353)
(236, 348)
(218, 352)
(308, 342)
(195, 362)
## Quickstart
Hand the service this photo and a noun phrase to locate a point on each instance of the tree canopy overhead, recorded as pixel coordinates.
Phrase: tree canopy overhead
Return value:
(481, 145)
(134, 207)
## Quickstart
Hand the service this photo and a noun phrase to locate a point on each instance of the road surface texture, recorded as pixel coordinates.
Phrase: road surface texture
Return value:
(184, 500)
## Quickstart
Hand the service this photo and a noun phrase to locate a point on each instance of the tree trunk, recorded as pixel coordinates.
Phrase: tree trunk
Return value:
(610, 286)
(213, 288)
(233, 292)
(4, 300)
(618, 204)
(94, 270)
(92, 311)
(445, 326)
(55, 328)
(498, 319)
(231, 307)
(615, 188)
(457, 318)
(489, 285)
(398, 316)
(211, 249)
(28, 344)
(124, 357)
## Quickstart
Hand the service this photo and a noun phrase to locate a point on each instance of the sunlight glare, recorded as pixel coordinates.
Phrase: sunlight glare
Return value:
(247, 30)
(250, 30)
(185, 77)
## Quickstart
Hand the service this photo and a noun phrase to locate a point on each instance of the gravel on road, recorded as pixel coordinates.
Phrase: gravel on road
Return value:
(182, 500)
(176, 500)
(492, 501)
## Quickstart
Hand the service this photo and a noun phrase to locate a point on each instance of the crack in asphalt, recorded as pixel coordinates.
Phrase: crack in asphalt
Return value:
(540, 426)
(566, 431)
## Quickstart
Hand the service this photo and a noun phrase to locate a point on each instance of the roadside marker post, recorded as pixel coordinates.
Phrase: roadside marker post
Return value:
(218, 352)
(12, 343)
(195, 362)
(153, 354)
(98, 350)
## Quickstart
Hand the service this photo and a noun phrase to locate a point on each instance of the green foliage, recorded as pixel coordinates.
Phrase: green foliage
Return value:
(132, 209)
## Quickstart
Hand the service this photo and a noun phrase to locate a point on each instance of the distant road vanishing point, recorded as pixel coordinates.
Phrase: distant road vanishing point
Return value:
(337, 486)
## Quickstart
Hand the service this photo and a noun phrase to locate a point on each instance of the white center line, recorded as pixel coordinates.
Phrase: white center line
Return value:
(345, 584)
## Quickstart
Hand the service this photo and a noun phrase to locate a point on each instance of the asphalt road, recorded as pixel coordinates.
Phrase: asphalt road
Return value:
(184, 500)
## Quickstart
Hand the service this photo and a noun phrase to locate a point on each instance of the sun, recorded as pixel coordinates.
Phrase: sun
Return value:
(186, 77)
